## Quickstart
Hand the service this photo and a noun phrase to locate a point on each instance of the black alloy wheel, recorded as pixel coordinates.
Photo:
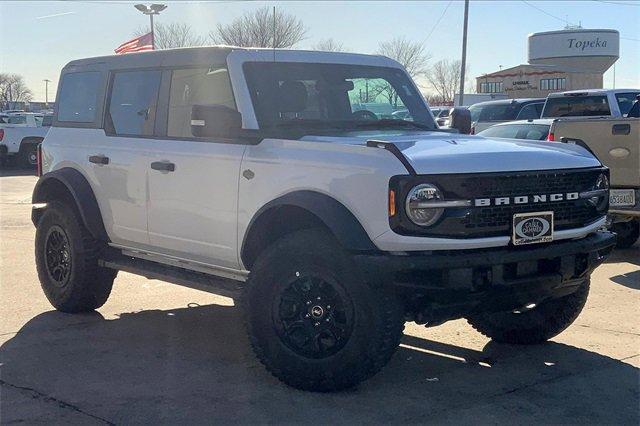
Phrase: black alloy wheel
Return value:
(57, 256)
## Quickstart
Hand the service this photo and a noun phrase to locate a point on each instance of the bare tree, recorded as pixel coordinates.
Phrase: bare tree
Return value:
(410, 54)
(13, 89)
(329, 45)
(175, 34)
(444, 79)
(259, 28)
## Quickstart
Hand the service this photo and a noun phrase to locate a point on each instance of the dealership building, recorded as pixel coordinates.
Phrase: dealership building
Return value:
(569, 59)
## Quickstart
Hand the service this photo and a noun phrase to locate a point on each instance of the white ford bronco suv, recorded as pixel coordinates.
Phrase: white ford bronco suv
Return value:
(249, 173)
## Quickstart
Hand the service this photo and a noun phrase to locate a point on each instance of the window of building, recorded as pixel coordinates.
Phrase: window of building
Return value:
(134, 98)
(491, 87)
(79, 97)
(553, 83)
(196, 86)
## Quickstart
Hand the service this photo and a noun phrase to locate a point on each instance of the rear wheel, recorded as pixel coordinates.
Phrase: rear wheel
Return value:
(628, 233)
(544, 321)
(28, 156)
(67, 261)
(312, 321)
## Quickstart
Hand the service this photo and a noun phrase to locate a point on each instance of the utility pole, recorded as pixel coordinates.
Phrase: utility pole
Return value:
(46, 92)
(154, 9)
(463, 65)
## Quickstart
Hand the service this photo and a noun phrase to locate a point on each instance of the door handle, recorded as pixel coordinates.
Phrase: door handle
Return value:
(621, 129)
(165, 166)
(99, 159)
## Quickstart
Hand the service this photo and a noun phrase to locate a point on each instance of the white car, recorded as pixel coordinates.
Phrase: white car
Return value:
(20, 134)
(253, 173)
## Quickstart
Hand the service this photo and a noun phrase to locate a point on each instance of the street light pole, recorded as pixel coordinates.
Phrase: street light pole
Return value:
(151, 10)
(463, 65)
(46, 92)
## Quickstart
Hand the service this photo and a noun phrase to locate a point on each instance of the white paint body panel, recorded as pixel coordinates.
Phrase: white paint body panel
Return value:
(202, 211)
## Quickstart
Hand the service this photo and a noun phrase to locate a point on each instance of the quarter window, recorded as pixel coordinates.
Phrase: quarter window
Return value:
(530, 111)
(79, 97)
(133, 103)
(196, 86)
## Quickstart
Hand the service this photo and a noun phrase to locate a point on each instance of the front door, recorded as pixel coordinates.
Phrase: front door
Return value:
(193, 183)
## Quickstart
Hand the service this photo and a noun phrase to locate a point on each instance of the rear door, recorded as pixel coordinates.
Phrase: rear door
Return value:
(120, 161)
(193, 182)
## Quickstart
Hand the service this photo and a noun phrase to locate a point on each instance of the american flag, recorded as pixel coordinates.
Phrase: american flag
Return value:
(144, 43)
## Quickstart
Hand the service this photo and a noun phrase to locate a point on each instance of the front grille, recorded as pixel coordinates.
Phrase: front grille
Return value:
(476, 222)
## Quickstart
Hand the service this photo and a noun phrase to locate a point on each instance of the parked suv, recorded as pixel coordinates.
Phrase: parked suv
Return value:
(249, 173)
(487, 114)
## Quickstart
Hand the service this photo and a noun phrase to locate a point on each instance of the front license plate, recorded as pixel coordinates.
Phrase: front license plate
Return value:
(532, 228)
(622, 198)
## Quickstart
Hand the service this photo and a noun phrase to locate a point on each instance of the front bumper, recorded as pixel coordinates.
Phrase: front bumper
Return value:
(441, 285)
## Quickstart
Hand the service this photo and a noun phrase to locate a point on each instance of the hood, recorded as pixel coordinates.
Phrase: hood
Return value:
(439, 153)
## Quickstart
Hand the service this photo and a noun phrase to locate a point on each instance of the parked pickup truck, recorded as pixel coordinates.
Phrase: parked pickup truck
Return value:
(590, 103)
(616, 142)
(257, 174)
(20, 134)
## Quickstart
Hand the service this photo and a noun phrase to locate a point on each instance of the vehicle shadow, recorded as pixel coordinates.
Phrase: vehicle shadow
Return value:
(14, 170)
(194, 364)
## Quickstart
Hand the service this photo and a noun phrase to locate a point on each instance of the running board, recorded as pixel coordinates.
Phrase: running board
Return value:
(173, 274)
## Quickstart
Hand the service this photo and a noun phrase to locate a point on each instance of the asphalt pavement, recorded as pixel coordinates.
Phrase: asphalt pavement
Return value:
(160, 353)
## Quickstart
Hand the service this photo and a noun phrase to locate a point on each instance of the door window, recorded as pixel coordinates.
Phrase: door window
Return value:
(625, 101)
(196, 86)
(79, 97)
(530, 111)
(134, 98)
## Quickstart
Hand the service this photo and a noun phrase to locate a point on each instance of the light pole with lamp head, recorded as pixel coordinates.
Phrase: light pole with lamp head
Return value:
(151, 10)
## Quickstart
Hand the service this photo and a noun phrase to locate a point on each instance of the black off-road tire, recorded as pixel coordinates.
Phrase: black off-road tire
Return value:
(87, 286)
(628, 233)
(27, 157)
(377, 323)
(546, 320)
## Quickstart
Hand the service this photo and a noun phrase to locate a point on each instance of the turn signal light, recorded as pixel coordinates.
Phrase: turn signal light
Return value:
(392, 203)
(39, 160)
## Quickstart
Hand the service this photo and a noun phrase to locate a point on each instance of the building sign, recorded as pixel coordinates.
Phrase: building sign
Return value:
(520, 85)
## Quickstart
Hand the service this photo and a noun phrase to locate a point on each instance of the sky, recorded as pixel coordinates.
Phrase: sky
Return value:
(37, 38)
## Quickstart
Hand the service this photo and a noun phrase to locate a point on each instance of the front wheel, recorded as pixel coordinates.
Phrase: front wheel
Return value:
(628, 233)
(312, 321)
(537, 325)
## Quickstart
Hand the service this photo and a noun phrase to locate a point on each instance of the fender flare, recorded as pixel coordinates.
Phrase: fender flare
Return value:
(80, 189)
(332, 213)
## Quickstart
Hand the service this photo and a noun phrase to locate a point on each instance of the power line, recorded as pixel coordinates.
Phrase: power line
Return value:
(545, 12)
(437, 22)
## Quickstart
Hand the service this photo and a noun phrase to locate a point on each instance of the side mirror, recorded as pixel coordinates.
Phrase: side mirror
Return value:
(215, 121)
(461, 120)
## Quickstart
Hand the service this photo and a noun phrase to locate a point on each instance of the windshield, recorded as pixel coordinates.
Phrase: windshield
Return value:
(576, 106)
(537, 132)
(330, 98)
(493, 112)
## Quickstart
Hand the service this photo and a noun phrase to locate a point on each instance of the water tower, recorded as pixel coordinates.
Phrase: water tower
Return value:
(579, 49)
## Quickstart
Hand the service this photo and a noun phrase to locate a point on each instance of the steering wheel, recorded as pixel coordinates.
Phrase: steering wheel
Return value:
(364, 115)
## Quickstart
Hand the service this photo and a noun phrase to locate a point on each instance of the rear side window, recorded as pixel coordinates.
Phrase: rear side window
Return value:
(576, 106)
(196, 86)
(133, 103)
(495, 113)
(536, 132)
(79, 97)
(625, 101)
(530, 111)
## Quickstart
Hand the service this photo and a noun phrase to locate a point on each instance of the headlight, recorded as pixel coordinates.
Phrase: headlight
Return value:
(417, 205)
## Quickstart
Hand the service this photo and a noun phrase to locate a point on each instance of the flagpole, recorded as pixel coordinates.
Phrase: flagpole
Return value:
(153, 40)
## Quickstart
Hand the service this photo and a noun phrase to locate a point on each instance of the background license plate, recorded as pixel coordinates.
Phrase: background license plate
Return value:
(531, 228)
(622, 197)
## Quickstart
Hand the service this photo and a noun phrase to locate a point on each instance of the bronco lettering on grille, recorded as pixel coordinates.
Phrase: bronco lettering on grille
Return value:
(525, 199)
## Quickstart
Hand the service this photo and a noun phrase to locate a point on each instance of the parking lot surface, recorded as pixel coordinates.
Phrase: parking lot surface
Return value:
(160, 353)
